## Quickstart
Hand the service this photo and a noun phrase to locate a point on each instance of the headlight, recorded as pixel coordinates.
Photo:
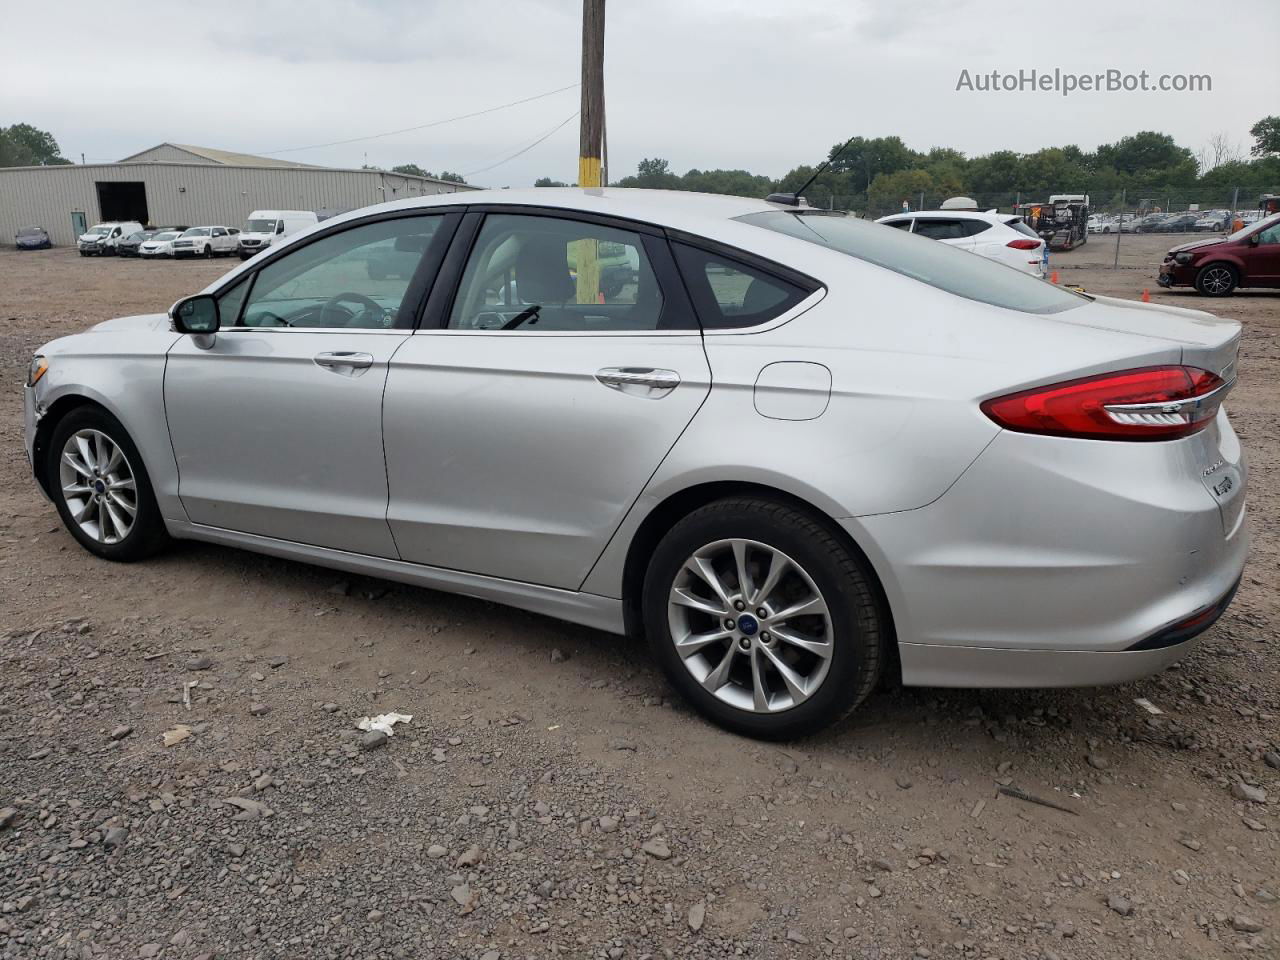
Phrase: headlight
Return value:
(1184, 257)
(38, 367)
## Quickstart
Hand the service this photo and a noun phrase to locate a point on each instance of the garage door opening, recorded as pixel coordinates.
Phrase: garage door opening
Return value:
(123, 201)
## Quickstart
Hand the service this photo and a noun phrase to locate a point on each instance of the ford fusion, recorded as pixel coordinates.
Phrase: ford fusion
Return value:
(798, 451)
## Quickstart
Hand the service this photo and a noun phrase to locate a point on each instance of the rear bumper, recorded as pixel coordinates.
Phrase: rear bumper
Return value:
(1063, 563)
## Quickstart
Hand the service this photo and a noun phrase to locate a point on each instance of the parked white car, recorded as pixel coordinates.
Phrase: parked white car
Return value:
(161, 245)
(1002, 237)
(101, 238)
(207, 242)
(265, 227)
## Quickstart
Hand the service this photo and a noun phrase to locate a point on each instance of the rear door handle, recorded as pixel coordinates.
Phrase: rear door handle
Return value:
(639, 381)
(345, 362)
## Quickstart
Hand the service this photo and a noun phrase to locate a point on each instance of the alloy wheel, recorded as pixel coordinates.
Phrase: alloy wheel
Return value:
(1217, 280)
(98, 486)
(750, 625)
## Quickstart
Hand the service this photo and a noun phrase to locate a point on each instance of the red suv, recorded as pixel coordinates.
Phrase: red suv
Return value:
(1250, 257)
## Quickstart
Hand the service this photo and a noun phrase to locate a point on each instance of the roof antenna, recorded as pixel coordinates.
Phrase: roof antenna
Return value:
(796, 199)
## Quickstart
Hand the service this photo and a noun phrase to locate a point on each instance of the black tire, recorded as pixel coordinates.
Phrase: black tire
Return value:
(859, 629)
(1217, 279)
(148, 534)
(208, 252)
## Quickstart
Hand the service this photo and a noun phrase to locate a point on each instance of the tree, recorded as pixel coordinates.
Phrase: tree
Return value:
(548, 182)
(451, 176)
(23, 145)
(1219, 150)
(1143, 152)
(412, 170)
(888, 190)
(654, 174)
(1266, 137)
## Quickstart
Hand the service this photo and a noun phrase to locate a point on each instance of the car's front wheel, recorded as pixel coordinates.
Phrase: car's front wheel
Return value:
(1216, 279)
(763, 619)
(103, 494)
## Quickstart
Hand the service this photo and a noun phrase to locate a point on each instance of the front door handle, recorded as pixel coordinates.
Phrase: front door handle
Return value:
(344, 361)
(639, 381)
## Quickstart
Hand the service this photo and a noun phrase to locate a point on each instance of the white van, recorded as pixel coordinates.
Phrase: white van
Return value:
(101, 238)
(264, 226)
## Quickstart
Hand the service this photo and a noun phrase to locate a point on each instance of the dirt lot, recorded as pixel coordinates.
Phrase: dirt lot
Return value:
(548, 798)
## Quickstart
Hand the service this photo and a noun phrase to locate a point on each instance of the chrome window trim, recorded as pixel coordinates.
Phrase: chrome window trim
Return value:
(402, 331)
(808, 303)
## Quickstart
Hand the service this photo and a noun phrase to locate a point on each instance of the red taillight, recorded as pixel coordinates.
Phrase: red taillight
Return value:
(1153, 403)
(1023, 243)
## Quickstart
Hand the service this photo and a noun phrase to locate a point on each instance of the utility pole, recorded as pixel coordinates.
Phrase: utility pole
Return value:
(591, 137)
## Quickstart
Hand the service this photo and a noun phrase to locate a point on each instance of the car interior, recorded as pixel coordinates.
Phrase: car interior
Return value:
(522, 276)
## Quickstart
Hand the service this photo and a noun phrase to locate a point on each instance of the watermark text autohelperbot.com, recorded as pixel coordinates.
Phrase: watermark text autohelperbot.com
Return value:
(1066, 83)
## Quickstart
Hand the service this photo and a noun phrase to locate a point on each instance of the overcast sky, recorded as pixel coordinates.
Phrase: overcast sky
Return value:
(704, 83)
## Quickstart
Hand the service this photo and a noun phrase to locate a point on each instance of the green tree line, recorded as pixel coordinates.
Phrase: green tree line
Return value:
(878, 173)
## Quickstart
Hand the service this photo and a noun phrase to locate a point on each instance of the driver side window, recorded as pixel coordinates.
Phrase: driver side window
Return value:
(355, 279)
(1270, 235)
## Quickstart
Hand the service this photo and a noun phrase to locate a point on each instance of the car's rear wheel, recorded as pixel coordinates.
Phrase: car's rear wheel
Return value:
(763, 619)
(1216, 279)
(103, 494)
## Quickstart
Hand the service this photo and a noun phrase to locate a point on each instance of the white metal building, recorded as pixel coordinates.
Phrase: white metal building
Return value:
(178, 184)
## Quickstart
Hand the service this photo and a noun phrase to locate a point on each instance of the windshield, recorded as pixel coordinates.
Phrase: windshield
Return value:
(99, 231)
(197, 232)
(1249, 228)
(30, 231)
(260, 226)
(1017, 223)
(948, 268)
(165, 236)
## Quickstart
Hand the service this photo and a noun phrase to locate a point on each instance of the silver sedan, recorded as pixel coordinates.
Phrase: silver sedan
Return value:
(799, 451)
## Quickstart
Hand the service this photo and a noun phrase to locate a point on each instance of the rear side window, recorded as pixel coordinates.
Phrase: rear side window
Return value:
(728, 293)
(937, 229)
(974, 227)
(524, 276)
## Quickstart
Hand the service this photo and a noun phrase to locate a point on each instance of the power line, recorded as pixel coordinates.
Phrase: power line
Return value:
(524, 149)
(421, 126)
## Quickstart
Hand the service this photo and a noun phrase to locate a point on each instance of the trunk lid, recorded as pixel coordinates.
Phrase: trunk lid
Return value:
(1207, 341)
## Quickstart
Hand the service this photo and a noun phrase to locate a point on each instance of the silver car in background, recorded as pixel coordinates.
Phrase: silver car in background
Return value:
(796, 450)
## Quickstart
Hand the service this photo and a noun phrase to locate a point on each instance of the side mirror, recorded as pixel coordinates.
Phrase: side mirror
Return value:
(279, 228)
(195, 315)
(1254, 240)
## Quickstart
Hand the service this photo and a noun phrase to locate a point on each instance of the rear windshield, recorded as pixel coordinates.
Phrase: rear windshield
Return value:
(948, 268)
(1017, 223)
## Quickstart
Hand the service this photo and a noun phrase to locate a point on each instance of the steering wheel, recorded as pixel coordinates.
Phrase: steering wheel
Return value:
(329, 308)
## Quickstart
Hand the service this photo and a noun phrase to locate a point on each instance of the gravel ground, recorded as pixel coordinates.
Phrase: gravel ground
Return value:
(549, 798)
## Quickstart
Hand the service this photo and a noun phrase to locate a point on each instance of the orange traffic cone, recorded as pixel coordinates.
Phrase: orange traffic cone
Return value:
(1053, 277)
(1146, 295)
